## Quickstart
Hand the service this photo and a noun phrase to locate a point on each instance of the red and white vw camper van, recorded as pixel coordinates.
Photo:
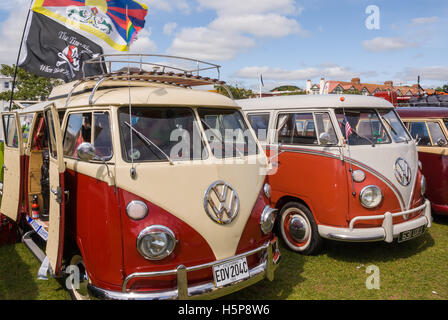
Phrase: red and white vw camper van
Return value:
(122, 178)
(347, 169)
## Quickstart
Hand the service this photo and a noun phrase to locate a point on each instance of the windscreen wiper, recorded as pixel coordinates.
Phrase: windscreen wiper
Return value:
(149, 142)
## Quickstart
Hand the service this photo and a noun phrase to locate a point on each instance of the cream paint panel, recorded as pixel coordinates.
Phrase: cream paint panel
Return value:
(180, 190)
(56, 167)
(382, 158)
(11, 178)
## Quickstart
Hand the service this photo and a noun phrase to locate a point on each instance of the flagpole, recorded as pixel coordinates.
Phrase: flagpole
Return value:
(18, 57)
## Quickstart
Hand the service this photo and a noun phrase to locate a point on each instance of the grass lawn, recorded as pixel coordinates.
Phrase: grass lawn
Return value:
(417, 269)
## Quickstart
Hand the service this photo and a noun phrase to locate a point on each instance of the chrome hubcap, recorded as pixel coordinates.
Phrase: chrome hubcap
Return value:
(298, 228)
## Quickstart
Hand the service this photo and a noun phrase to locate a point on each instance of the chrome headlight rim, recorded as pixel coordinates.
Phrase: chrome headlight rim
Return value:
(374, 204)
(138, 203)
(423, 185)
(157, 229)
(267, 190)
(267, 220)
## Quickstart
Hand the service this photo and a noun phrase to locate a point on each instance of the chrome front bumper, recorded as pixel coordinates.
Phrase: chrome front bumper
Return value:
(387, 232)
(270, 260)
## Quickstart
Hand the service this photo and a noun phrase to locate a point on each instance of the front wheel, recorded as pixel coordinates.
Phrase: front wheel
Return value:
(78, 279)
(298, 229)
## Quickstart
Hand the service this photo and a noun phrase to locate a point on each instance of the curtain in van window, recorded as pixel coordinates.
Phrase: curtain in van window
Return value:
(436, 133)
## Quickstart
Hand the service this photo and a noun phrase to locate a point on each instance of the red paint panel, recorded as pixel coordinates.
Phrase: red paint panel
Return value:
(390, 202)
(252, 236)
(319, 180)
(93, 221)
(435, 170)
(191, 249)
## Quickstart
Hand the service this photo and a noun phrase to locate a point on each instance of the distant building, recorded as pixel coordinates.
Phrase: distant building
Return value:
(367, 89)
(5, 83)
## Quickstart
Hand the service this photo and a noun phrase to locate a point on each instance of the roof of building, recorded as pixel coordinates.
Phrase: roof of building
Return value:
(356, 84)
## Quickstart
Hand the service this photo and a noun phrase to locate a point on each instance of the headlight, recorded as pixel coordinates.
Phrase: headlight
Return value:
(371, 197)
(136, 210)
(156, 242)
(267, 219)
(267, 190)
(423, 185)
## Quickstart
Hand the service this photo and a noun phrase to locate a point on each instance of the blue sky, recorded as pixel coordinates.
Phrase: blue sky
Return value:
(288, 41)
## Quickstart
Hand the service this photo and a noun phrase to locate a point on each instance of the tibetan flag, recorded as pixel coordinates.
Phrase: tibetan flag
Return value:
(110, 20)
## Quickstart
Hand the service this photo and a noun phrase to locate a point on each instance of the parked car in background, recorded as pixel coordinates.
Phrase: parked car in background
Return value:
(429, 127)
(347, 169)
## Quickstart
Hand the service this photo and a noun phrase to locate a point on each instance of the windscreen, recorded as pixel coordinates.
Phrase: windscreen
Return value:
(362, 127)
(227, 133)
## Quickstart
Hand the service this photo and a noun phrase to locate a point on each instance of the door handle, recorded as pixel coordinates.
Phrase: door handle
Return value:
(58, 194)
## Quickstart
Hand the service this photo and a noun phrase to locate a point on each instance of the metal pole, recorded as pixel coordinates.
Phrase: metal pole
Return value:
(18, 57)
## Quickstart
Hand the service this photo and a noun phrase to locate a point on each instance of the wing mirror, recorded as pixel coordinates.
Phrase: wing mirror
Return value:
(325, 138)
(441, 142)
(86, 152)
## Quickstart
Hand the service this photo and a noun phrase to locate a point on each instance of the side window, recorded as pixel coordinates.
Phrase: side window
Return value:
(79, 130)
(25, 122)
(260, 124)
(297, 128)
(324, 125)
(10, 131)
(102, 139)
(436, 133)
(420, 133)
(446, 123)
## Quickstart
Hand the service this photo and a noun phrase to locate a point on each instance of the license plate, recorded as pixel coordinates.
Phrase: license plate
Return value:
(411, 234)
(230, 272)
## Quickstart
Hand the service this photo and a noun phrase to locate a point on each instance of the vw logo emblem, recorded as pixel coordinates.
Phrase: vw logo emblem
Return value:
(402, 172)
(221, 202)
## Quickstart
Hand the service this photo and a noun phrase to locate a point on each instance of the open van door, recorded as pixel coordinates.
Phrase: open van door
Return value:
(55, 243)
(12, 165)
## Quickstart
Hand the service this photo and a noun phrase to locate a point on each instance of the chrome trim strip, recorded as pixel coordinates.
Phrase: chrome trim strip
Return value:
(347, 238)
(265, 269)
(383, 216)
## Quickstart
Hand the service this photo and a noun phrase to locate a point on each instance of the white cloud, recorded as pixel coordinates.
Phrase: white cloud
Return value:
(181, 5)
(329, 71)
(236, 7)
(425, 20)
(381, 44)
(236, 26)
(169, 28)
(259, 25)
(11, 36)
(437, 73)
(208, 44)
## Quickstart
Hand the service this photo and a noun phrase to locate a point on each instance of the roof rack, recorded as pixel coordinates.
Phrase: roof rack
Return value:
(163, 69)
(173, 70)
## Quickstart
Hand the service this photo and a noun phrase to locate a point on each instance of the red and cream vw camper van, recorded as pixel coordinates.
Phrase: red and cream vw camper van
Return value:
(122, 177)
(347, 169)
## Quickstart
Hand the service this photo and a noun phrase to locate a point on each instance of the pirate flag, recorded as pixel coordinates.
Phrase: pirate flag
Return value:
(54, 51)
